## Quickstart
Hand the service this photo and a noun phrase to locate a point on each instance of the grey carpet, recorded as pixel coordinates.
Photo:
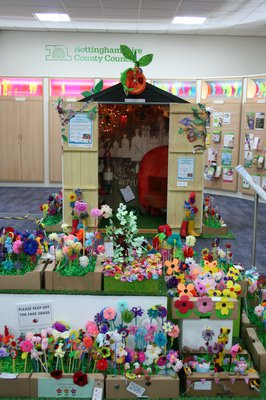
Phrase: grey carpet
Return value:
(237, 214)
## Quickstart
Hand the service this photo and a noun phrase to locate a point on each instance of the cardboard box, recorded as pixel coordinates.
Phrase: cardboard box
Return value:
(221, 384)
(244, 288)
(207, 230)
(91, 281)
(43, 385)
(30, 281)
(213, 315)
(53, 228)
(255, 348)
(116, 387)
(17, 387)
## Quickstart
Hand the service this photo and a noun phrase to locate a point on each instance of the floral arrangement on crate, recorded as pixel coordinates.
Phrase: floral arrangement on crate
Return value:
(75, 255)
(126, 341)
(211, 216)
(256, 304)
(195, 126)
(52, 210)
(20, 251)
(127, 245)
(213, 358)
(214, 276)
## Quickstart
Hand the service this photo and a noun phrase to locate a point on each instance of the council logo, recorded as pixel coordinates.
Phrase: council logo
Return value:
(56, 52)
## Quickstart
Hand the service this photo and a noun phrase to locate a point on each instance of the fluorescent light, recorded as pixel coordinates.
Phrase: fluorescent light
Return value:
(52, 17)
(189, 20)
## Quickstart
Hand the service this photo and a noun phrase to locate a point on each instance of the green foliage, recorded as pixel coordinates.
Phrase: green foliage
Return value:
(127, 53)
(64, 138)
(87, 93)
(145, 60)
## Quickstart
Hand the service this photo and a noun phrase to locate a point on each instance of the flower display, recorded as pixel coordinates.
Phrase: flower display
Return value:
(224, 306)
(20, 251)
(184, 305)
(172, 266)
(204, 304)
(53, 209)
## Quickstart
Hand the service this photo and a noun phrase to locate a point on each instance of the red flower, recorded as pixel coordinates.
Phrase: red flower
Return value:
(56, 373)
(183, 304)
(188, 251)
(228, 245)
(80, 379)
(102, 365)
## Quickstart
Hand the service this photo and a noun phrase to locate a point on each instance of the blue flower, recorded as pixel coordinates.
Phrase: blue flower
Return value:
(160, 339)
(122, 305)
(30, 247)
(140, 341)
(7, 264)
(8, 245)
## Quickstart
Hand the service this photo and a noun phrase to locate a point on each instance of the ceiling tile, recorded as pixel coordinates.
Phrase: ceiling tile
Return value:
(118, 13)
(81, 3)
(159, 4)
(156, 13)
(125, 4)
(85, 13)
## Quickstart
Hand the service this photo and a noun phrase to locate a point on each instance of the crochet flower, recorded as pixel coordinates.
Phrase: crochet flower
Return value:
(153, 312)
(207, 335)
(56, 374)
(232, 289)
(183, 304)
(102, 365)
(258, 310)
(167, 326)
(190, 241)
(174, 332)
(214, 293)
(83, 261)
(224, 306)
(204, 304)
(95, 212)
(210, 266)
(109, 314)
(106, 211)
(80, 379)
(186, 290)
(233, 273)
(26, 346)
(30, 247)
(17, 246)
(92, 328)
(160, 339)
(172, 266)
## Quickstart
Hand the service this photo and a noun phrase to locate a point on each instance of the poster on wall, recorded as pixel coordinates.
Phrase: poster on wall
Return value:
(217, 119)
(259, 121)
(247, 159)
(216, 136)
(226, 157)
(229, 139)
(80, 131)
(250, 120)
(228, 175)
(227, 118)
(249, 141)
(245, 184)
(185, 169)
(212, 155)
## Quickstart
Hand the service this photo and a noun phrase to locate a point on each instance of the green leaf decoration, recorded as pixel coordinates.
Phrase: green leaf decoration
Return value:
(198, 121)
(220, 315)
(181, 316)
(64, 138)
(72, 354)
(127, 52)
(87, 93)
(94, 109)
(98, 87)
(201, 315)
(135, 56)
(202, 106)
(63, 129)
(123, 78)
(181, 130)
(145, 60)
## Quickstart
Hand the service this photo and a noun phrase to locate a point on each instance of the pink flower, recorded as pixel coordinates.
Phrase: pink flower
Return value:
(81, 207)
(109, 314)
(26, 346)
(44, 344)
(204, 304)
(17, 246)
(141, 356)
(96, 212)
(174, 332)
(101, 249)
(132, 329)
(92, 328)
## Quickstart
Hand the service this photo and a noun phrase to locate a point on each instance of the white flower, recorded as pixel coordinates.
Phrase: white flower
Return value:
(259, 310)
(148, 360)
(136, 365)
(106, 211)
(153, 351)
(83, 261)
(53, 236)
(59, 351)
(189, 260)
(69, 242)
(120, 350)
(221, 253)
(190, 241)
(177, 366)
(127, 365)
(59, 254)
(64, 228)
(217, 276)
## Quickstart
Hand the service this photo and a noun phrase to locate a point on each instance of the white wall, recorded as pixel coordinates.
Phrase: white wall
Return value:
(175, 56)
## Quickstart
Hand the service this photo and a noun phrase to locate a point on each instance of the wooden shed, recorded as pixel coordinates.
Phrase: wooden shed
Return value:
(142, 119)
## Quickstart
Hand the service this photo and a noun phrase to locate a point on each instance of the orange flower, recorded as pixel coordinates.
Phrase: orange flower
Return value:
(186, 290)
(210, 266)
(79, 234)
(172, 266)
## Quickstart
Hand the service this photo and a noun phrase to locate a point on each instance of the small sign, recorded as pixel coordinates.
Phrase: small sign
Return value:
(127, 194)
(6, 375)
(185, 169)
(206, 385)
(97, 393)
(35, 315)
(109, 248)
(181, 184)
(135, 389)
(50, 387)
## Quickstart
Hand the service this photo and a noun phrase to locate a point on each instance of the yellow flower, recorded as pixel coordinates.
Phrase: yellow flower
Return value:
(210, 266)
(45, 207)
(233, 273)
(225, 305)
(72, 197)
(232, 289)
(214, 293)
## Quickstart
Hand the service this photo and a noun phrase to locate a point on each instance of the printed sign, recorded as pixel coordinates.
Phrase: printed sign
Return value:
(35, 315)
(49, 387)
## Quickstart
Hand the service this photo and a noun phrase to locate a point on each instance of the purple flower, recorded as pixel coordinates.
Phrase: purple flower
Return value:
(185, 121)
(30, 247)
(3, 352)
(98, 319)
(216, 348)
(207, 334)
(172, 282)
(162, 311)
(137, 311)
(59, 326)
(200, 287)
(104, 328)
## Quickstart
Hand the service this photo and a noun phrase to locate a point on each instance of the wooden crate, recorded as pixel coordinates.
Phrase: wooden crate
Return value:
(207, 230)
(18, 386)
(157, 387)
(92, 281)
(30, 281)
(43, 385)
(255, 348)
(221, 384)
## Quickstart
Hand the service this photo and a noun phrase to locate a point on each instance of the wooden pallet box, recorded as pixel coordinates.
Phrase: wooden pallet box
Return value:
(255, 348)
(43, 385)
(207, 230)
(53, 228)
(221, 384)
(117, 387)
(92, 281)
(14, 385)
(32, 280)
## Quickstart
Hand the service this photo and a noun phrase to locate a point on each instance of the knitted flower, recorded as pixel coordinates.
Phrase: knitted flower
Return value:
(214, 293)
(174, 332)
(92, 328)
(84, 261)
(233, 273)
(232, 289)
(106, 211)
(204, 304)
(17, 246)
(186, 290)
(172, 266)
(224, 306)
(190, 241)
(30, 247)
(207, 335)
(210, 266)
(109, 314)
(95, 212)
(259, 310)
(183, 304)
(160, 339)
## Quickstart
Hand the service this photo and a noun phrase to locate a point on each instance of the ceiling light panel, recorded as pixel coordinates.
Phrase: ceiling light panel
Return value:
(52, 17)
